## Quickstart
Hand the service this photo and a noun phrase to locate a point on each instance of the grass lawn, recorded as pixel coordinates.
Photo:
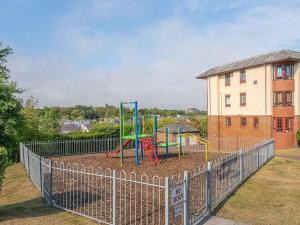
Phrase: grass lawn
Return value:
(20, 203)
(271, 196)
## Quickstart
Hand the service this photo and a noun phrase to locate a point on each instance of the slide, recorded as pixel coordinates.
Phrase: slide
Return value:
(117, 150)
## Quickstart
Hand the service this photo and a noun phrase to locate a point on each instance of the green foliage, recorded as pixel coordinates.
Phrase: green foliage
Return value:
(100, 131)
(10, 106)
(200, 122)
(38, 125)
(298, 137)
(3, 162)
(165, 121)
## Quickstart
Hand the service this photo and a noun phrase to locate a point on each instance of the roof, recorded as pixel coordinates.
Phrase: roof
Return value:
(174, 127)
(266, 58)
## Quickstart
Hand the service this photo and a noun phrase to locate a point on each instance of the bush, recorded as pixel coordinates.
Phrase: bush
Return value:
(3, 162)
(298, 137)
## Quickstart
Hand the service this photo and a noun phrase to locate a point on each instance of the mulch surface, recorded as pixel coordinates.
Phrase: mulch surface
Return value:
(167, 167)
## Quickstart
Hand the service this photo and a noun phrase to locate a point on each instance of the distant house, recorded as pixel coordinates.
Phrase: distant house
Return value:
(173, 130)
(192, 110)
(73, 126)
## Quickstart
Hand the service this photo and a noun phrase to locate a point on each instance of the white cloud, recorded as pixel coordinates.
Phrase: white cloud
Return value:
(156, 64)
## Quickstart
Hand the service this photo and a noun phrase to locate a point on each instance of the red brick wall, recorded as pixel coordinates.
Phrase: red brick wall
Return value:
(217, 129)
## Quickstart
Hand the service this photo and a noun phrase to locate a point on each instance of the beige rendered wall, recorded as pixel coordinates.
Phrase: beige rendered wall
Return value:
(259, 96)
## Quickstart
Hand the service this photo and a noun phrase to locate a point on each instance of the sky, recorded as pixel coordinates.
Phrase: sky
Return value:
(93, 52)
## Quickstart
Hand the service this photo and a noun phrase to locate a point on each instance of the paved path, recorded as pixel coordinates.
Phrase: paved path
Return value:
(221, 221)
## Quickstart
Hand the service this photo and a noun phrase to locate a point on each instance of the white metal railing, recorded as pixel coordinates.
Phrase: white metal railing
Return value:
(118, 197)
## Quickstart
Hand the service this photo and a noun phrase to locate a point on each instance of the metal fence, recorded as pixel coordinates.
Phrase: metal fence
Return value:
(75, 147)
(118, 197)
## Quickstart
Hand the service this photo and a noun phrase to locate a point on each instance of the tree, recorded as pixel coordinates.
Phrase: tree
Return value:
(10, 107)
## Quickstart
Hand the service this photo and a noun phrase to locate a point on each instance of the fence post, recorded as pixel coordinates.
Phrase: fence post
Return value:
(208, 188)
(28, 164)
(41, 178)
(267, 152)
(186, 196)
(167, 206)
(50, 181)
(258, 157)
(241, 166)
(114, 198)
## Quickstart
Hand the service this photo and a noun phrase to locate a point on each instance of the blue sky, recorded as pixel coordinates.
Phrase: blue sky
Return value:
(94, 52)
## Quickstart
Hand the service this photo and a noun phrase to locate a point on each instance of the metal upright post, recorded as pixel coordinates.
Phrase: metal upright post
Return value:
(121, 134)
(41, 178)
(186, 196)
(114, 198)
(28, 163)
(167, 142)
(167, 206)
(155, 133)
(136, 133)
(208, 188)
(257, 157)
(51, 182)
(241, 165)
(180, 142)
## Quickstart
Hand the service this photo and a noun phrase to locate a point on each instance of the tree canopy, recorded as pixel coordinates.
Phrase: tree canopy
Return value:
(10, 105)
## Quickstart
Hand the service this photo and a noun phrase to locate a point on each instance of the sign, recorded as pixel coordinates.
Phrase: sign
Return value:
(178, 209)
(177, 194)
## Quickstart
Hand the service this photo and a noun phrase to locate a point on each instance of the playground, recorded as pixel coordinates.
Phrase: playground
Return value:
(129, 179)
(142, 151)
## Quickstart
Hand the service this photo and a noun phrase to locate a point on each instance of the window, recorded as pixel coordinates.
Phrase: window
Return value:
(255, 122)
(278, 126)
(228, 121)
(227, 80)
(243, 76)
(289, 124)
(278, 99)
(227, 100)
(285, 71)
(283, 98)
(243, 122)
(289, 98)
(243, 99)
(278, 72)
(289, 71)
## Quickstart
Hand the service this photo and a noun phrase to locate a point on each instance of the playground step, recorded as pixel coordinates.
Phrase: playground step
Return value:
(150, 151)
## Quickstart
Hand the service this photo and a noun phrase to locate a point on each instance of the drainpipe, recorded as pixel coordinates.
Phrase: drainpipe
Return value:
(266, 127)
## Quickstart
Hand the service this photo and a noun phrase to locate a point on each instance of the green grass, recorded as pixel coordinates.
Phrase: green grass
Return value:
(20, 203)
(271, 196)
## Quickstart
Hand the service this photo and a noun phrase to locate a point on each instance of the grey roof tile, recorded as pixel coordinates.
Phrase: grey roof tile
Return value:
(262, 59)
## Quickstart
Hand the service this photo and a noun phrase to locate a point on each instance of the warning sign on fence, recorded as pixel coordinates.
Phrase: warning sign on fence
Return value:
(177, 199)
(178, 209)
(177, 194)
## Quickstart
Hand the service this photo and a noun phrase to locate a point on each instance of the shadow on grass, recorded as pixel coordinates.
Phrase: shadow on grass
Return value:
(31, 208)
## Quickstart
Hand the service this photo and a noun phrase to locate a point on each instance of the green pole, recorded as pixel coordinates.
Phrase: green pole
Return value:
(121, 132)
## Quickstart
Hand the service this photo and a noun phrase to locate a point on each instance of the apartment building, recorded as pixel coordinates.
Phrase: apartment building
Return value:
(257, 97)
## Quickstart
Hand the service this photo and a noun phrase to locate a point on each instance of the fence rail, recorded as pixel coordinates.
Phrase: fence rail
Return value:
(118, 197)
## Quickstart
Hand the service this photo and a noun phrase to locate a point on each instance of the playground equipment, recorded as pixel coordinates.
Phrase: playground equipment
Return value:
(140, 129)
(201, 141)
(167, 143)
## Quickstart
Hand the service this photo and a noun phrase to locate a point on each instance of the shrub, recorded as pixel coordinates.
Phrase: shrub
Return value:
(3, 162)
(298, 137)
